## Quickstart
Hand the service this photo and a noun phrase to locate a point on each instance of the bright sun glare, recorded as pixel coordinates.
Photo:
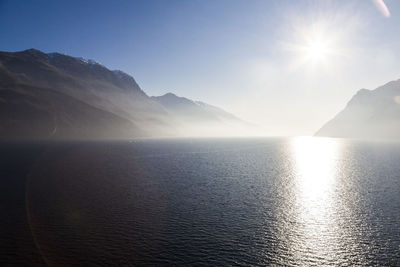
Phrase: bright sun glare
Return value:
(317, 50)
(316, 44)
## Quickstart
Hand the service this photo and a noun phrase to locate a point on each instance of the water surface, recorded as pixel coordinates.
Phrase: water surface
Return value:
(299, 201)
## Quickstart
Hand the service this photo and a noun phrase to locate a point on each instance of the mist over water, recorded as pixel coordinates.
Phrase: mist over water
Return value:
(300, 201)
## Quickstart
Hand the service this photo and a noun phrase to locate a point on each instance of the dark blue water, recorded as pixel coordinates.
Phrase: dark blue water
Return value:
(300, 201)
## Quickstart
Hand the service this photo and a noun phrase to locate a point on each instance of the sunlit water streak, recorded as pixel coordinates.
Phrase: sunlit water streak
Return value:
(315, 176)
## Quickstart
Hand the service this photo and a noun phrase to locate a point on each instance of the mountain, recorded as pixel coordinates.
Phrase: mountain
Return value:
(61, 97)
(56, 96)
(198, 118)
(189, 110)
(370, 114)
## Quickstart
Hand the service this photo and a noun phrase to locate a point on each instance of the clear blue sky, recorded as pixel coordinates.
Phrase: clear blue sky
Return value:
(287, 65)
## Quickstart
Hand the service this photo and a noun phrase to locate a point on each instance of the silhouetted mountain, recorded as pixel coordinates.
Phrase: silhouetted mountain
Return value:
(370, 114)
(62, 97)
(47, 114)
(58, 96)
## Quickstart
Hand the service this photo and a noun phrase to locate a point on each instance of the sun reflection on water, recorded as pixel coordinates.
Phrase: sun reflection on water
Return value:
(315, 160)
(315, 173)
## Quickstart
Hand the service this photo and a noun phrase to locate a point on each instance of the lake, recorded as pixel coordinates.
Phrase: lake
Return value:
(239, 201)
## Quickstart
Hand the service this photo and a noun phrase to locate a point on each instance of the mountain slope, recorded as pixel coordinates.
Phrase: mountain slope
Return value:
(47, 114)
(198, 118)
(190, 110)
(40, 98)
(370, 114)
(87, 81)
(55, 96)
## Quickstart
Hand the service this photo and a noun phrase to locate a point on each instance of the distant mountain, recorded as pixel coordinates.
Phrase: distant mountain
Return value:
(370, 114)
(189, 110)
(199, 118)
(55, 96)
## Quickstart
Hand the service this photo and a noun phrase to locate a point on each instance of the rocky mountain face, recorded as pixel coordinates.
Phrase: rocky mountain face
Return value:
(55, 96)
(370, 114)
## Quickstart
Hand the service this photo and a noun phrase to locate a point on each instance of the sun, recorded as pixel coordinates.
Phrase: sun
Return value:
(316, 46)
(316, 50)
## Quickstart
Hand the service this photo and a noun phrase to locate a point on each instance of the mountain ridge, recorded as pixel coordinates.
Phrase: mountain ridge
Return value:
(57, 88)
(370, 114)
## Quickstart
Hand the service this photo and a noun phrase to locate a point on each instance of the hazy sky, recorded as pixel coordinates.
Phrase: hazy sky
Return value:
(286, 65)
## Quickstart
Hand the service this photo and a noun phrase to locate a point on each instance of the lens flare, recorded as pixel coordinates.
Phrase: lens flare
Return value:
(382, 7)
